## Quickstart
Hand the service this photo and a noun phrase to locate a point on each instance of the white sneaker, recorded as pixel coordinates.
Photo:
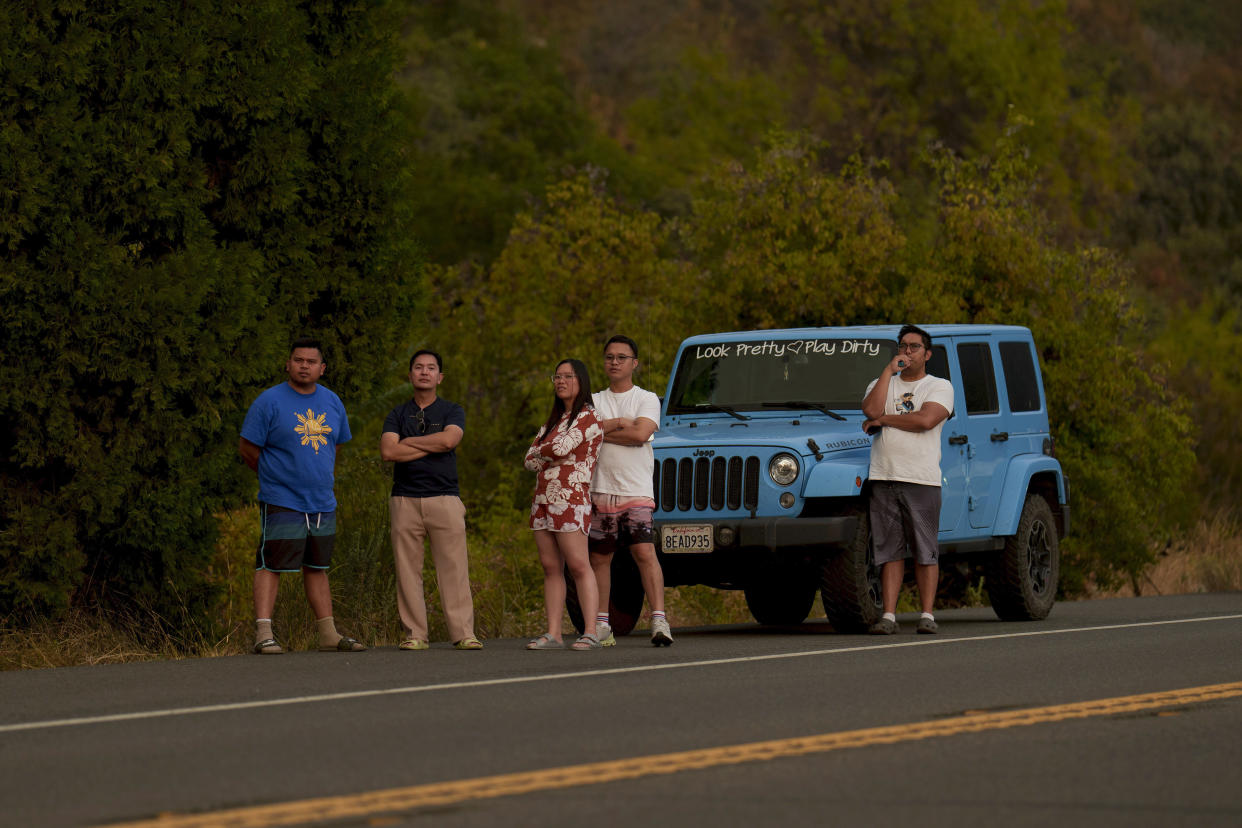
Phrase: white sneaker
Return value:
(661, 635)
(603, 632)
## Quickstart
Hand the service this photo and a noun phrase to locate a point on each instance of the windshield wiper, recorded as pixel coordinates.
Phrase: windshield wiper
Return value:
(805, 404)
(724, 408)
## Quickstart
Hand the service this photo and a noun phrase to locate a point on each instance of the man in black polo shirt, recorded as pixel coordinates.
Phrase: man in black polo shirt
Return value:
(420, 438)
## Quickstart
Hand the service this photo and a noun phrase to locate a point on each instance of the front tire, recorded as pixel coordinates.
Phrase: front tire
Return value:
(782, 599)
(850, 583)
(1022, 578)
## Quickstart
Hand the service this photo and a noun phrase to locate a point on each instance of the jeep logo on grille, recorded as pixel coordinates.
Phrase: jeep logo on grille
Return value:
(704, 452)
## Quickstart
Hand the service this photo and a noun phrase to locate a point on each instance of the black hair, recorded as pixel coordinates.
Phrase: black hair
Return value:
(581, 401)
(427, 352)
(915, 329)
(307, 342)
(624, 340)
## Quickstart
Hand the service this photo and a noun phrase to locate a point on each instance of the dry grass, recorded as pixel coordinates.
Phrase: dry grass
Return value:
(1208, 558)
(694, 606)
(89, 638)
(508, 596)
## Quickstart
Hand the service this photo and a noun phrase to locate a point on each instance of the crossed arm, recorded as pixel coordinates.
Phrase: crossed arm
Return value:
(926, 418)
(394, 449)
(622, 432)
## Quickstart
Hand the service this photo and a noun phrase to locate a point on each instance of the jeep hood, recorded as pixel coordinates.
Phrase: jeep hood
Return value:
(831, 436)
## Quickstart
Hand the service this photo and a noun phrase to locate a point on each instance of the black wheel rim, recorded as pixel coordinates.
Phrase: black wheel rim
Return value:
(1039, 555)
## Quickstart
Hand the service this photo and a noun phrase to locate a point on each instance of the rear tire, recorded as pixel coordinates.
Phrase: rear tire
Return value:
(850, 583)
(625, 598)
(1022, 578)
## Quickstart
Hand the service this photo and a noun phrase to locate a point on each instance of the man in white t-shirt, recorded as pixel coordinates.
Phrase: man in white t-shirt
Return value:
(622, 496)
(906, 408)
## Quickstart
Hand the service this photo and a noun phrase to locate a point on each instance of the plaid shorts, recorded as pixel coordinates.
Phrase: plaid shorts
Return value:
(291, 539)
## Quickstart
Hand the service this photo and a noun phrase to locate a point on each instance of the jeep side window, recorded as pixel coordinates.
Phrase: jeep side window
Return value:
(938, 365)
(1019, 368)
(978, 378)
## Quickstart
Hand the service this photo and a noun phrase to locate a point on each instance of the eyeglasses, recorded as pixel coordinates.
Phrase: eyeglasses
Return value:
(563, 377)
(421, 419)
(912, 347)
(617, 357)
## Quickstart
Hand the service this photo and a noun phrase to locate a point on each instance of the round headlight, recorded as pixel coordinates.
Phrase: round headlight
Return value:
(783, 469)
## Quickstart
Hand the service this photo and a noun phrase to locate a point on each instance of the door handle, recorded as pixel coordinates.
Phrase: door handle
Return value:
(1000, 437)
(958, 440)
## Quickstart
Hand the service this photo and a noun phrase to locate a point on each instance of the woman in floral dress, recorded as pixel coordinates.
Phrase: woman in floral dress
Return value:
(563, 454)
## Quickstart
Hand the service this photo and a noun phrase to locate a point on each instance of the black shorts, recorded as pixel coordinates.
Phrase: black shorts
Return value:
(291, 540)
(905, 519)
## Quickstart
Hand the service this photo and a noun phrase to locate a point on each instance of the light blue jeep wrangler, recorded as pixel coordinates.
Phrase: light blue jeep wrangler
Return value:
(762, 464)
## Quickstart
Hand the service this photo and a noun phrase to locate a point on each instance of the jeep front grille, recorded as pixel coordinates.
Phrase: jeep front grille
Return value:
(717, 485)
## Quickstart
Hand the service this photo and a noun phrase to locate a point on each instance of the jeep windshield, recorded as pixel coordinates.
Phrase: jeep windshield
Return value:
(764, 374)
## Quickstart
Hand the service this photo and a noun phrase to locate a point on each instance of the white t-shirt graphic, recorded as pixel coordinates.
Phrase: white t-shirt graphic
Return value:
(910, 456)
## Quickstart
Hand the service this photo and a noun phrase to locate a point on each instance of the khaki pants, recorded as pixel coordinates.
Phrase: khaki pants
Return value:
(442, 522)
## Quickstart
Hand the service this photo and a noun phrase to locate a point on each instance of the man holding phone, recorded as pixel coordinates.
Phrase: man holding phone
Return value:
(905, 407)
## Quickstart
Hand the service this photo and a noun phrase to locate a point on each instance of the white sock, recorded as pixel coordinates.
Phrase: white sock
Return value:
(928, 616)
(891, 616)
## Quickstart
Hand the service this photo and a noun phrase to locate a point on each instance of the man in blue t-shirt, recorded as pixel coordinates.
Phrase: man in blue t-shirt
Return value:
(420, 439)
(290, 437)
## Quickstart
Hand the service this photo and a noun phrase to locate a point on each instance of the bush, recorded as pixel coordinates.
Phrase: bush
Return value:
(186, 188)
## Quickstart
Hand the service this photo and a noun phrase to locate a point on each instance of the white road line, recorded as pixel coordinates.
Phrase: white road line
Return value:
(458, 685)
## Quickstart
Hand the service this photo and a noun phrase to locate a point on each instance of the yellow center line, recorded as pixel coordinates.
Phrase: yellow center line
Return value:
(510, 784)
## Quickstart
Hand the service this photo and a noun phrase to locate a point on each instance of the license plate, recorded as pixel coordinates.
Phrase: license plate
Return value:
(685, 538)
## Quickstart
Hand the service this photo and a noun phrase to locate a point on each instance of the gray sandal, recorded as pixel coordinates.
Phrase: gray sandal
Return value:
(268, 646)
(545, 642)
(586, 642)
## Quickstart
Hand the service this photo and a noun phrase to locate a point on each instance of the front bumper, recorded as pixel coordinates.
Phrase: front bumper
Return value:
(773, 534)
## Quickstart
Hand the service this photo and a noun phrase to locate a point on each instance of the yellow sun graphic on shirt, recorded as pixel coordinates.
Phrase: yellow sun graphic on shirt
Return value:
(312, 429)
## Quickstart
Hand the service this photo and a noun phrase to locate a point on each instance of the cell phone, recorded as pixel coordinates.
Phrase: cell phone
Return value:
(901, 363)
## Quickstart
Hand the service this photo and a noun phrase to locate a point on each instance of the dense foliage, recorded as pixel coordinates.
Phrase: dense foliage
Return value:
(187, 187)
(184, 188)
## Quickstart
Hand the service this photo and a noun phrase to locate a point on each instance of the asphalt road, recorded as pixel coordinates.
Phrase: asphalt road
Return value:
(1117, 712)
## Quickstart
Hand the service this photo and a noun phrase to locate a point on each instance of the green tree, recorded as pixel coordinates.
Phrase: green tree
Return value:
(784, 243)
(574, 272)
(1184, 226)
(892, 76)
(186, 187)
(1200, 346)
(494, 124)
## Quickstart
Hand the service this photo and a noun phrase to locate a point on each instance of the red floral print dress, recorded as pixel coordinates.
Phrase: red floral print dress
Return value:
(564, 460)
